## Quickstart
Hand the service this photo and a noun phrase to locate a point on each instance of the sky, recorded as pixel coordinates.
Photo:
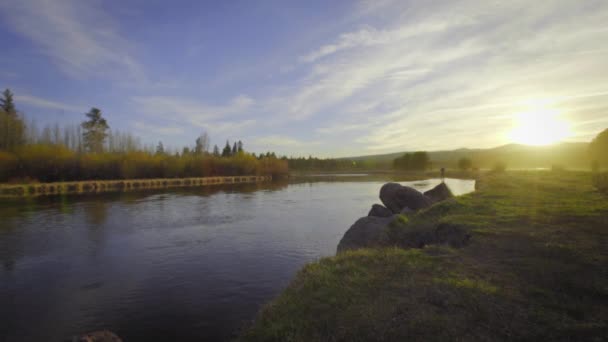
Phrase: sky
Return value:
(322, 78)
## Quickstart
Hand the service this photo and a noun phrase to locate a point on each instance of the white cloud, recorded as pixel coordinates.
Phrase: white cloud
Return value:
(191, 112)
(78, 36)
(163, 130)
(48, 104)
(427, 83)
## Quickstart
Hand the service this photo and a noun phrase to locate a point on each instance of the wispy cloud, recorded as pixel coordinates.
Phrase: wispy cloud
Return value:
(77, 35)
(146, 129)
(388, 76)
(191, 112)
(48, 104)
(426, 83)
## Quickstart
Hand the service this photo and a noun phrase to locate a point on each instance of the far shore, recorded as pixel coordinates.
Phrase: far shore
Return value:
(96, 186)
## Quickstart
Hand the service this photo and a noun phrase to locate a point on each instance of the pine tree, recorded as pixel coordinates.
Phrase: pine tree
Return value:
(239, 146)
(216, 151)
(227, 152)
(234, 149)
(95, 131)
(7, 104)
(160, 149)
(12, 127)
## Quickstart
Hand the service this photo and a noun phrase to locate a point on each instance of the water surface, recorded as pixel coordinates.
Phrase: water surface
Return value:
(187, 265)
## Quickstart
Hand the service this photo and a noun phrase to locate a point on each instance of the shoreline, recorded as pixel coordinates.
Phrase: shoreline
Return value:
(99, 186)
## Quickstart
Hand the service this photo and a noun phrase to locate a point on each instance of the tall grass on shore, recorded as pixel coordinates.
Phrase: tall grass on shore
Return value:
(95, 186)
(55, 163)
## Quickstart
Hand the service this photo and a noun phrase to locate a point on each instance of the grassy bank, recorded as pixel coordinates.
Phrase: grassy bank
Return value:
(36, 189)
(536, 268)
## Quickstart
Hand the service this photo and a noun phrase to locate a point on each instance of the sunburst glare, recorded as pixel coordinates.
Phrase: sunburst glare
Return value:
(539, 126)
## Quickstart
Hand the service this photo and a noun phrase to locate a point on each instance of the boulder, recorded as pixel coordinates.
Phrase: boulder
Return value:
(396, 197)
(379, 210)
(439, 193)
(368, 231)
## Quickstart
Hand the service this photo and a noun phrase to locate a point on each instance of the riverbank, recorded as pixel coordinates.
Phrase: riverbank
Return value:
(95, 186)
(535, 269)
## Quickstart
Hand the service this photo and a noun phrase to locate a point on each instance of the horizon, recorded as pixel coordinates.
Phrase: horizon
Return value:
(333, 81)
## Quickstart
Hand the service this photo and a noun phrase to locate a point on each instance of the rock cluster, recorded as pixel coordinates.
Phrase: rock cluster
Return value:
(373, 230)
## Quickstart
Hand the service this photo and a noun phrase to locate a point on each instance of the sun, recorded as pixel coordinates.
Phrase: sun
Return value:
(539, 126)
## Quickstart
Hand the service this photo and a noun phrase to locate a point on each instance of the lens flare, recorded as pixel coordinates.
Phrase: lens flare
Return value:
(539, 126)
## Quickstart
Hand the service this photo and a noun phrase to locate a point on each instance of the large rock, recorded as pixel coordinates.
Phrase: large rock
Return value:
(379, 210)
(368, 231)
(396, 197)
(439, 193)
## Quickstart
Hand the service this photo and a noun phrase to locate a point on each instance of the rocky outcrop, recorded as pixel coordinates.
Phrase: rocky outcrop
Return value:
(439, 193)
(383, 225)
(368, 231)
(379, 210)
(396, 197)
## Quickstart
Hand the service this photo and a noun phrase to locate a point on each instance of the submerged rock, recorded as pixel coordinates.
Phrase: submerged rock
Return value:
(98, 336)
(379, 210)
(439, 193)
(396, 197)
(368, 231)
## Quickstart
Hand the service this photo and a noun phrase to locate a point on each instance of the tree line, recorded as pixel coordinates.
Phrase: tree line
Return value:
(91, 150)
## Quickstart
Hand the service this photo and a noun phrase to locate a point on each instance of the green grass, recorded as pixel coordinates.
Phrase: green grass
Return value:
(536, 268)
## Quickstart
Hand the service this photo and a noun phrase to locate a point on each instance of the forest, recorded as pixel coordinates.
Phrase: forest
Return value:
(91, 150)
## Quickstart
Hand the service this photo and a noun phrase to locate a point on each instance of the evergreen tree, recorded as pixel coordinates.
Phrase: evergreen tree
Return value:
(216, 151)
(234, 149)
(12, 127)
(7, 104)
(227, 152)
(239, 146)
(95, 131)
(160, 149)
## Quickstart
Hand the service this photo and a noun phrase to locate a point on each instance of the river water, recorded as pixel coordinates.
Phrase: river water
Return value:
(183, 265)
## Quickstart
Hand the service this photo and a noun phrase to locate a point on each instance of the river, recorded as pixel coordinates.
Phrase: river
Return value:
(183, 265)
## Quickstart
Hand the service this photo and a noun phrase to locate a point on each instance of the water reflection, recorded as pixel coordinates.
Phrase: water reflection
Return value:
(187, 264)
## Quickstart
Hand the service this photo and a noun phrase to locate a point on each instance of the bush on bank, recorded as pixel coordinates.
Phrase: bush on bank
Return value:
(51, 163)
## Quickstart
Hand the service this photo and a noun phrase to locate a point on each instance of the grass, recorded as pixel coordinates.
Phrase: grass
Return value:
(536, 268)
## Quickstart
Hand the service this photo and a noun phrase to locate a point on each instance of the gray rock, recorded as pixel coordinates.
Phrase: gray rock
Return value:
(406, 211)
(379, 210)
(368, 231)
(396, 197)
(439, 193)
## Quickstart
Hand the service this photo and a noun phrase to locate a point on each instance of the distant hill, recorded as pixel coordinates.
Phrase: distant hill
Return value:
(569, 155)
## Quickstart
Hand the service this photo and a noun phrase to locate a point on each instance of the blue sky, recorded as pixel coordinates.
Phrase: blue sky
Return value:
(327, 78)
